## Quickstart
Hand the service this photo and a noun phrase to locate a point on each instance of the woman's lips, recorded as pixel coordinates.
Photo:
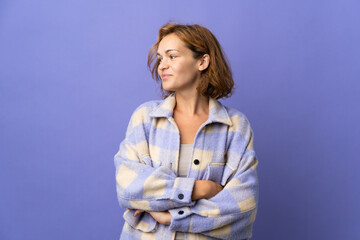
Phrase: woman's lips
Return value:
(165, 76)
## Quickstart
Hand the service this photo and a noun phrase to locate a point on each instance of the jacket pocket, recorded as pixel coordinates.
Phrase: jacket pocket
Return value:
(214, 172)
(143, 222)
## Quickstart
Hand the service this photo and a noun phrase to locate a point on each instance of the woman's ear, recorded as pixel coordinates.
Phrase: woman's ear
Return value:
(204, 63)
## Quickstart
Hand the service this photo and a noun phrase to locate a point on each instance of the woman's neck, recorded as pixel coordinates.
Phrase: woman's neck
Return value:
(191, 104)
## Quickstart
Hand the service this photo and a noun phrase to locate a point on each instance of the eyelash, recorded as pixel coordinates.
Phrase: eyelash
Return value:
(170, 58)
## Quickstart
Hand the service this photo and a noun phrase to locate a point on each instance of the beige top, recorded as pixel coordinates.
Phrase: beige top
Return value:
(184, 163)
(184, 159)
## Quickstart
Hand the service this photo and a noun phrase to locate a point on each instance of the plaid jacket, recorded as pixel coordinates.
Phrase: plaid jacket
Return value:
(146, 174)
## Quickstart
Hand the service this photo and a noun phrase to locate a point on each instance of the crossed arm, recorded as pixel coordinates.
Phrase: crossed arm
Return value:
(202, 189)
(204, 207)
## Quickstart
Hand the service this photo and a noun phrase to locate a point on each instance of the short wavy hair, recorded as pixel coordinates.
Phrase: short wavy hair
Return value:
(216, 81)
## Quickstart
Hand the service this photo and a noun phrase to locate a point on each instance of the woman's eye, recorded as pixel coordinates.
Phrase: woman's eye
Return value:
(172, 57)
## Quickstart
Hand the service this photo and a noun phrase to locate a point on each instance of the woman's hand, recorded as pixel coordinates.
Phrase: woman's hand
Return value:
(137, 212)
(160, 217)
(205, 189)
(202, 189)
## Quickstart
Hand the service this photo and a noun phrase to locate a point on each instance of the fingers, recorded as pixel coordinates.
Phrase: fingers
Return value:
(137, 212)
(162, 217)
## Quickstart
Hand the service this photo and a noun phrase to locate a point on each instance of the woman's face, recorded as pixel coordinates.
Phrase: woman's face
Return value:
(178, 69)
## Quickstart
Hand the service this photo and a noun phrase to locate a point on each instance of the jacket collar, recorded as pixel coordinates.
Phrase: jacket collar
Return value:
(217, 112)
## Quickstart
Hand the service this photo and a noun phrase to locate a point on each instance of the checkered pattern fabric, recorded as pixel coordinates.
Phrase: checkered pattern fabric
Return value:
(146, 174)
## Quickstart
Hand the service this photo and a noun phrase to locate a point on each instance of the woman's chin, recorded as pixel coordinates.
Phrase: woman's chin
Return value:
(168, 88)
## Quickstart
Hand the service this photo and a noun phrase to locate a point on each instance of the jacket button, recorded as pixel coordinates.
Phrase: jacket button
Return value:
(181, 196)
(196, 161)
(181, 212)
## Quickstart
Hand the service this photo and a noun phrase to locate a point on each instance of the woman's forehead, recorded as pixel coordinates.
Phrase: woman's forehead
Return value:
(171, 42)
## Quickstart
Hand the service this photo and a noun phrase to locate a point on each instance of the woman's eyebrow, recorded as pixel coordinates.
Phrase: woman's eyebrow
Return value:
(169, 50)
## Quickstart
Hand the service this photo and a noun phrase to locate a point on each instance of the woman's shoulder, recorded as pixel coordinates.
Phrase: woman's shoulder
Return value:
(240, 123)
(236, 115)
(151, 104)
(143, 110)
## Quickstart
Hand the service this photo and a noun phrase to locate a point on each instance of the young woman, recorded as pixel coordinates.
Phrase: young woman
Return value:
(187, 168)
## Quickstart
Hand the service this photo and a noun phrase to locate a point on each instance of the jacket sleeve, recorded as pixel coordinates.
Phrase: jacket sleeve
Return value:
(231, 213)
(141, 186)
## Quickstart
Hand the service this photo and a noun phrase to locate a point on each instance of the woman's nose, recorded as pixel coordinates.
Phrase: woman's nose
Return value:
(163, 64)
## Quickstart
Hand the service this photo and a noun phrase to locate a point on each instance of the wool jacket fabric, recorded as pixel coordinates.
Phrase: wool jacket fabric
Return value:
(146, 174)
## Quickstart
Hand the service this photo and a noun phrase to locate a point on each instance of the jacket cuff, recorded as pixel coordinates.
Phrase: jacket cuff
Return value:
(182, 191)
(180, 220)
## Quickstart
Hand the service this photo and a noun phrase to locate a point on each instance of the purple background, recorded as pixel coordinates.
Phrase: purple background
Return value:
(72, 72)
